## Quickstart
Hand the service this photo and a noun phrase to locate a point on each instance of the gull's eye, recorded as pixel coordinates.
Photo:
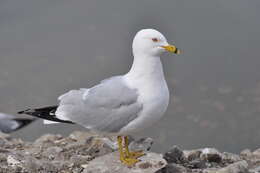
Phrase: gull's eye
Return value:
(155, 39)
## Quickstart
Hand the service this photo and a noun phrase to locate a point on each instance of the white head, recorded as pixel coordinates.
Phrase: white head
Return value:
(152, 43)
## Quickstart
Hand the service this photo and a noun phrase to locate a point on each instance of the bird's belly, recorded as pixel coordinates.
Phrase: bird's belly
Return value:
(154, 107)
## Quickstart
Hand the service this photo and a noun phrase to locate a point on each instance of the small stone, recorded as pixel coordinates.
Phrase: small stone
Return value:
(80, 136)
(80, 160)
(192, 154)
(145, 165)
(3, 142)
(174, 155)
(84, 166)
(211, 155)
(246, 153)
(110, 163)
(197, 164)
(143, 144)
(238, 167)
(47, 139)
(54, 150)
(172, 168)
(255, 170)
(97, 147)
(13, 161)
(230, 157)
(4, 135)
(108, 143)
(54, 166)
(256, 153)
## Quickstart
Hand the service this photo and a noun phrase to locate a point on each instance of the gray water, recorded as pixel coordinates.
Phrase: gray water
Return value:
(48, 47)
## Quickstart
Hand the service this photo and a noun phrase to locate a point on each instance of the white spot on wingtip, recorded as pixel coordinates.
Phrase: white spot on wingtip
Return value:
(49, 122)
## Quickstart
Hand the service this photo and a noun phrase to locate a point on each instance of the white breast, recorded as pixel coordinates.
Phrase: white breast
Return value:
(153, 94)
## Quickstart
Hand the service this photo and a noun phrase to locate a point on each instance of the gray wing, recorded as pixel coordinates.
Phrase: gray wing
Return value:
(107, 107)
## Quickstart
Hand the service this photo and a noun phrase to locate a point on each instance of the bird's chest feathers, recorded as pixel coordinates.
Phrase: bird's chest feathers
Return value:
(153, 91)
(154, 97)
(148, 78)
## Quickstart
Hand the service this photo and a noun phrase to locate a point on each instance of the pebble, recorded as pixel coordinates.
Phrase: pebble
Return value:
(174, 155)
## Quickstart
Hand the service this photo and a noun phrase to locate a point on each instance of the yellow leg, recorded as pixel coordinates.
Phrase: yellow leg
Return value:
(124, 159)
(134, 154)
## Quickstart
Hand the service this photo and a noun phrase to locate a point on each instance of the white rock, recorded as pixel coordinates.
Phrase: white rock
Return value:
(13, 162)
(110, 163)
(238, 167)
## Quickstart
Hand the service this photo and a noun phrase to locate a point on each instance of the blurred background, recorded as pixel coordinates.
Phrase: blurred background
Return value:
(48, 47)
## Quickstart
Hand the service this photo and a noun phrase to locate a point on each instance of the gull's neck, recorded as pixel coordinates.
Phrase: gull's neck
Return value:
(146, 68)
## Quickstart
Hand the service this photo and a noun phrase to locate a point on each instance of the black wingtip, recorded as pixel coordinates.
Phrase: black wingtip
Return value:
(46, 113)
(22, 112)
(25, 121)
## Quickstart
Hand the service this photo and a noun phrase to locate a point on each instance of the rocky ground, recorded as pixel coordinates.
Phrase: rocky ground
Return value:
(83, 152)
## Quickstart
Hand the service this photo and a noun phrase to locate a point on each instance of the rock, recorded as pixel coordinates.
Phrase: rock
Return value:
(174, 155)
(80, 160)
(207, 160)
(255, 170)
(238, 167)
(4, 135)
(143, 144)
(110, 144)
(207, 154)
(52, 152)
(110, 163)
(23, 163)
(84, 152)
(230, 157)
(196, 164)
(253, 158)
(192, 154)
(211, 155)
(172, 168)
(3, 158)
(256, 153)
(47, 140)
(81, 136)
(87, 137)
(245, 153)
(13, 161)
(93, 146)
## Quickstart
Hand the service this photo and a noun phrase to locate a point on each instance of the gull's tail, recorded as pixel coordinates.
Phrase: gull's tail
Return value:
(47, 113)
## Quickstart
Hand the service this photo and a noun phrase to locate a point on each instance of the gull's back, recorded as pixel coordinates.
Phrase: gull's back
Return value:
(106, 107)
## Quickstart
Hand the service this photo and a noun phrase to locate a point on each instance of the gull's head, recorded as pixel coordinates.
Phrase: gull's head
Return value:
(152, 43)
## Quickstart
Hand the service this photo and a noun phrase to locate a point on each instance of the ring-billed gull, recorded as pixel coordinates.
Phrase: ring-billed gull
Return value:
(120, 105)
(10, 123)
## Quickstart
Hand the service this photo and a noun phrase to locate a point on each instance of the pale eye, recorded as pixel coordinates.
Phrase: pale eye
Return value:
(155, 39)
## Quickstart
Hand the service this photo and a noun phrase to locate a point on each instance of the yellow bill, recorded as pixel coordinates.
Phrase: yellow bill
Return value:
(172, 48)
